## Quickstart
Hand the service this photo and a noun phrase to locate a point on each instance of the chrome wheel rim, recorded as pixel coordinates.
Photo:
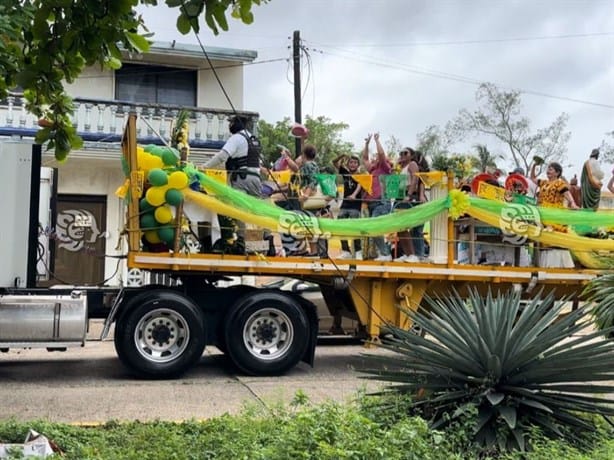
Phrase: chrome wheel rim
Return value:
(268, 334)
(162, 335)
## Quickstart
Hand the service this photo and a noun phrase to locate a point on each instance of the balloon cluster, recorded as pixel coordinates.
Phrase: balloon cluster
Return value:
(165, 181)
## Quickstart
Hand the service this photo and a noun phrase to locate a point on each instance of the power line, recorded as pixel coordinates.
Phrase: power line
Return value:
(452, 77)
(473, 42)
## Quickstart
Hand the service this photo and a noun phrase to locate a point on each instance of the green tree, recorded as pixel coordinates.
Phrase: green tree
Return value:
(47, 43)
(393, 146)
(435, 141)
(483, 159)
(607, 149)
(498, 115)
(324, 134)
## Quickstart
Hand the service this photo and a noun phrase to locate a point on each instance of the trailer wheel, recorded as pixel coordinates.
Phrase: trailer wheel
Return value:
(266, 333)
(160, 337)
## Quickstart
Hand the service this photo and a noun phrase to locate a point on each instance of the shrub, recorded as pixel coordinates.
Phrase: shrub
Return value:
(502, 367)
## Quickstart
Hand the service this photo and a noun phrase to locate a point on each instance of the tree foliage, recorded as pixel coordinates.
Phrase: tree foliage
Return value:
(607, 149)
(47, 43)
(324, 134)
(499, 115)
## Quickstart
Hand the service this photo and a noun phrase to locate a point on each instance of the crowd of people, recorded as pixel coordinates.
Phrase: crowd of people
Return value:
(303, 194)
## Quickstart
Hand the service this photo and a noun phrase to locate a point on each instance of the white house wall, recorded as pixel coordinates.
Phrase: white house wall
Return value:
(94, 83)
(87, 175)
(210, 94)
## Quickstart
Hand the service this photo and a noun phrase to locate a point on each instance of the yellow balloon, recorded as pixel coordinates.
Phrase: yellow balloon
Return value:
(155, 196)
(163, 214)
(178, 180)
(156, 162)
(141, 159)
(152, 237)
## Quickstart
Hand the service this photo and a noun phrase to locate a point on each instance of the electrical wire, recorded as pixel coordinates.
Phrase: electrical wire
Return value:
(453, 77)
(327, 255)
(476, 41)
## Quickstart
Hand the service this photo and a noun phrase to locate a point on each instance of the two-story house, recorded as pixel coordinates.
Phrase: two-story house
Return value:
(85, 225)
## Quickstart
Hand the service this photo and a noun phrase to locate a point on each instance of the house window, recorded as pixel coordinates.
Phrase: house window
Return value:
(155, 85)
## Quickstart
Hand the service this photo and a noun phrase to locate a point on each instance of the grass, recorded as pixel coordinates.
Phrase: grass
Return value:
(298, 431)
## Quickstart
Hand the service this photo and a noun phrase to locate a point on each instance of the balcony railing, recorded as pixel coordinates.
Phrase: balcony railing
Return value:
(102, 121)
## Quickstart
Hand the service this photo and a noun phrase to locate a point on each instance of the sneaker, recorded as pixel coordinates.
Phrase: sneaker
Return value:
(345, 255)
(412, 259)
(358, 255)
(387, 258)
(403, 258)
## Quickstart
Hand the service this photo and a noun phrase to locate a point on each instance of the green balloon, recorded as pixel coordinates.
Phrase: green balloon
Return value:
(167, 234)
(157, 150)
(157, 177)
(148, 221)
(149, 147)
(144, 206)
(173, 197)
(170, 156)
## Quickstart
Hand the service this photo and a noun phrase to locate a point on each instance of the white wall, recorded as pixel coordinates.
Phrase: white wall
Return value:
(94, 83)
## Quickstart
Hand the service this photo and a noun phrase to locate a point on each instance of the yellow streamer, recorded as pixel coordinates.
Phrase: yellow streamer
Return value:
(558, 239)
(212, 204)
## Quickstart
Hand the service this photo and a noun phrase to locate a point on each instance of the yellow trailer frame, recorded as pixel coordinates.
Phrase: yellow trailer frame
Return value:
(377, 289)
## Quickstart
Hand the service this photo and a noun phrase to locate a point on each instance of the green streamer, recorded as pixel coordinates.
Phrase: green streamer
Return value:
(369, 226)
(552, 215)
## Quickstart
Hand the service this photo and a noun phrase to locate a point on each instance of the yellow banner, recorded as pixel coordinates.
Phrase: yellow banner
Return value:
(282, 177)
(365, 181)
(491, 192)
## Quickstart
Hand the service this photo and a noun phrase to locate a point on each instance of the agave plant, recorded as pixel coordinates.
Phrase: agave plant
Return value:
(514, 365)
(600, 291)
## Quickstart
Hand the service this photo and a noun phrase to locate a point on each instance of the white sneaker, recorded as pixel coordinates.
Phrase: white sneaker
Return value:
(401, 259)
(345, 255)
(383, 259)
(412, 259)
(358, 255)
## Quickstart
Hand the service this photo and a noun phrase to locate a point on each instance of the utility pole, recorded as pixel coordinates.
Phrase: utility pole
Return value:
(296, 55)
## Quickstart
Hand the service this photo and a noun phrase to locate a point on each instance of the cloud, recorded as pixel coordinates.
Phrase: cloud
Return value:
(398, 66)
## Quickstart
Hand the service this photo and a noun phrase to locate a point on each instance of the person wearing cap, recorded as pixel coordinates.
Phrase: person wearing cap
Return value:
(240, 156)
(531, 188)
(352, 200)
(590, 181)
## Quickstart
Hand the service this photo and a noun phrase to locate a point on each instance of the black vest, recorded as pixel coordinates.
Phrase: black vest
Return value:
(251, 160)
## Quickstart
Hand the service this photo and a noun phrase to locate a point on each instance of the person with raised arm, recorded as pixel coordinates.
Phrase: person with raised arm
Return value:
(376, 203)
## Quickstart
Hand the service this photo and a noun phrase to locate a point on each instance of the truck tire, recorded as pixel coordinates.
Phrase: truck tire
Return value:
(161, 336)
(266, 333)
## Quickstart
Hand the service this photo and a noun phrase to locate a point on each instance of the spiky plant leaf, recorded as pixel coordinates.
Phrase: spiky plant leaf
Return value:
(600, 291)
(518, 365)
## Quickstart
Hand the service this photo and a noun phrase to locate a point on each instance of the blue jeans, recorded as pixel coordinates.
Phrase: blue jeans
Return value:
(380, 208)
(417, 239)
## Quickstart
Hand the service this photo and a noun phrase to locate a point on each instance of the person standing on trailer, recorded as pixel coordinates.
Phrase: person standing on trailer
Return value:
(240, 156)
(376, 202)
(350, 206)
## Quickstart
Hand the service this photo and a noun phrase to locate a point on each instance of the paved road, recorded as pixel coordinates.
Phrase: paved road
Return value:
(89, 384)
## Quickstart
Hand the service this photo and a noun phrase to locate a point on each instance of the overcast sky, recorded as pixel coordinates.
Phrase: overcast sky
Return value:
(398, 66)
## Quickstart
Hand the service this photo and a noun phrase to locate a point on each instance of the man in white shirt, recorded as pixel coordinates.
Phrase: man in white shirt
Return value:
(241, 162)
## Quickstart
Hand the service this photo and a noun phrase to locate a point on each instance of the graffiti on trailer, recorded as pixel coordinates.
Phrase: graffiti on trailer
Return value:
(75, 230)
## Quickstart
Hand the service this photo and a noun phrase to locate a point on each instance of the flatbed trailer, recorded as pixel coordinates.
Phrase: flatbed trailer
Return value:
(161, 331)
